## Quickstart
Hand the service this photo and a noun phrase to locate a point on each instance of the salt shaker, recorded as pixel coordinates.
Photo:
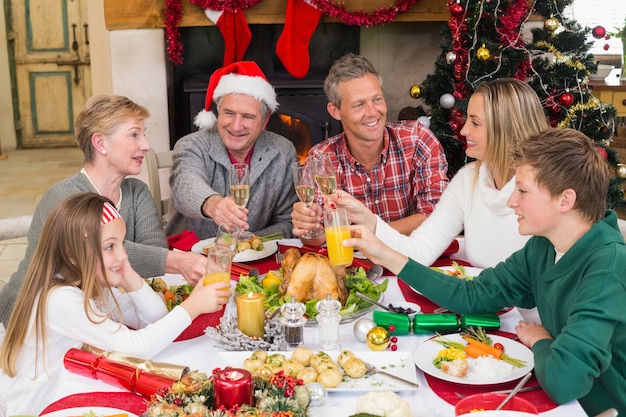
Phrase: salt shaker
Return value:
(293, 323)
(328, 318)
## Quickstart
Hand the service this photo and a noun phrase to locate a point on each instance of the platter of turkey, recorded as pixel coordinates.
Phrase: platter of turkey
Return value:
(311, 277)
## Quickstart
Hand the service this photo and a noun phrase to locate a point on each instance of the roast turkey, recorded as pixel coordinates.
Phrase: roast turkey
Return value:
(310, 276)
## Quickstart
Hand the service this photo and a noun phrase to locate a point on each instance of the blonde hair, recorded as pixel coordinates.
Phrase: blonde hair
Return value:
(102, 114)
(69, 254)
(566, 158)
(513, 112)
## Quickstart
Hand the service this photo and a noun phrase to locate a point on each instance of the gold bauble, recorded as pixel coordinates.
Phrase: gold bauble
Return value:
(377, 338)
(621, 170)
(551, 24)
(483, 53)
(415, 91)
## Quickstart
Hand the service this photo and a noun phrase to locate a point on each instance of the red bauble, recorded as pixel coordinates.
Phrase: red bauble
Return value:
(598, 32)
(566, 99)
(607, 37)
(606, 47)
(456, 9)
(602, 152)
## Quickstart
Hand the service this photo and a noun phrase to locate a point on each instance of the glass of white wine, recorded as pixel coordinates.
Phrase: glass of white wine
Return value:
(304, 182)
(240, 191)
(325, 176)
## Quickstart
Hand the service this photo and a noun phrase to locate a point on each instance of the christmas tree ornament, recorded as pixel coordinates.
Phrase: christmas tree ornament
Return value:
(424, 120)
(377, 339)
(361, 327)
(447, 101)
(598, 32)
(621, 170)
(451, 57)
(551, 24)
(602, 151)
(292, 47)
(415, 91)
(236, 33)
(456, 9)
(317, 394)
(606, 47)
(483, 53)
(566, 99)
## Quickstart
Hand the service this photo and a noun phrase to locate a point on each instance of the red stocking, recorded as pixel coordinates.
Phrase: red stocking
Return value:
(235, 31)
(292, 47)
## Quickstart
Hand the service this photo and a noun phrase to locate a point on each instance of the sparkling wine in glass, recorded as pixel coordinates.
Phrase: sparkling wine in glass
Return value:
(240, 191)
(240, 184)
(325, 174)
(304, 182)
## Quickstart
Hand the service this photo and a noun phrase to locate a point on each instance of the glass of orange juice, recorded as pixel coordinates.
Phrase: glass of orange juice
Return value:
(218, 265)
(337, 228)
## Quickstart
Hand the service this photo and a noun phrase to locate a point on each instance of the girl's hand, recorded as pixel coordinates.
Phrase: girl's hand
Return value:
(207, 298)
(131, 280)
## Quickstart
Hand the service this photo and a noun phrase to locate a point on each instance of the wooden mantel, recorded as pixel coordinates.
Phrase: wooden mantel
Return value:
(146, 14)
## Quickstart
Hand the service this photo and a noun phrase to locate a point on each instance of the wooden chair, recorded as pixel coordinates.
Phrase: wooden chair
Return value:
(155, 162)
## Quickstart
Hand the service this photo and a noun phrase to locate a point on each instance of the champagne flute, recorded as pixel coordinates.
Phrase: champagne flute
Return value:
(325, 176)
(304, 182)
(240, 191)
(227, 238)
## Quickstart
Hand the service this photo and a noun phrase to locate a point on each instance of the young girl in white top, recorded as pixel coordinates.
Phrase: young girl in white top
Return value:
(80, 288)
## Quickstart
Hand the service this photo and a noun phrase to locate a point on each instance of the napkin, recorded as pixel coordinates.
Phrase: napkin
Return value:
(115, 373)
(183, 241)
(199, 324)
(128, 401)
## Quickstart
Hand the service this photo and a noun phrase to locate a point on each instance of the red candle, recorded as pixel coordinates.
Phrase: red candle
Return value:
(232, 386)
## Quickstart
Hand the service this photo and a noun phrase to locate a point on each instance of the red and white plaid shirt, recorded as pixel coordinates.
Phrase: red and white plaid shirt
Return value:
(408, 178)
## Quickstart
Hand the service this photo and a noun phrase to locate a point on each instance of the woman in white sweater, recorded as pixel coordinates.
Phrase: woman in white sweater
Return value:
(80, 288)
(500, 115)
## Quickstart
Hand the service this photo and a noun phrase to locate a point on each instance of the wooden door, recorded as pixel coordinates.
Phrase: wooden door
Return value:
(51, 69)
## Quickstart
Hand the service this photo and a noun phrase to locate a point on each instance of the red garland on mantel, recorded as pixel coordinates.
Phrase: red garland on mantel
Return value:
(173, 10)
(383, 14)
(173, 14)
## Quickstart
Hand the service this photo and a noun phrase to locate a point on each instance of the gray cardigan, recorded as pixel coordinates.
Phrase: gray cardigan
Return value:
(145, 243)
(200, 170)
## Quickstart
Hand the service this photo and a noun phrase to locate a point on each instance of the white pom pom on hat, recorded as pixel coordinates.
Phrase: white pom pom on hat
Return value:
(243, 77)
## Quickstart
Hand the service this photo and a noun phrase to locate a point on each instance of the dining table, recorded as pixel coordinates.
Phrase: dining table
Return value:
(196, 350)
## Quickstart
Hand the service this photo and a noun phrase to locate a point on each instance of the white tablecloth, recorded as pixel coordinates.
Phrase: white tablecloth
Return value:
(199, 353)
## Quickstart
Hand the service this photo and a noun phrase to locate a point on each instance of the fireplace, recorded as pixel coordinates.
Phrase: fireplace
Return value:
(301, 116)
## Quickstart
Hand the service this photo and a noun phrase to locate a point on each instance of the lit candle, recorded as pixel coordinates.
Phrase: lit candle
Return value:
(251, 314)
(232, 387)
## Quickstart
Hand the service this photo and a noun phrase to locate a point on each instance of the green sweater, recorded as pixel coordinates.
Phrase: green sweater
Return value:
(580, 301)
(145, 242)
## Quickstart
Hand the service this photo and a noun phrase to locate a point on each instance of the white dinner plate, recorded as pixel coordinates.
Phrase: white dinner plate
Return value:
(399, 363)
(80, 411)
(469, 271)
(423, 411)
(269, 248)
(428, 350)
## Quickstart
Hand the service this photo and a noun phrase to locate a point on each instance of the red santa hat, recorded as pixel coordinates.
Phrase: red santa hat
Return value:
(243, 77)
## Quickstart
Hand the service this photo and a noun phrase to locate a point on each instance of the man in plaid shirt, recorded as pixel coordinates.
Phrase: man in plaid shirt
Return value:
(397, 169)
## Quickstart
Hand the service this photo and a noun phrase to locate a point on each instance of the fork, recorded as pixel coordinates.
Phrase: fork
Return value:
(506, 391)
(371, 369)
(279, 257)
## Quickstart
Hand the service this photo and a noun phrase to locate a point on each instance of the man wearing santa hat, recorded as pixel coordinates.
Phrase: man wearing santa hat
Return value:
(397, 169)
(202, 160)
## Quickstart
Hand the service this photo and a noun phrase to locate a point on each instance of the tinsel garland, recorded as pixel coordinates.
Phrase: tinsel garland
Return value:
(510, 33)
(559, 57)
(383, 14)
(458, 26)
(173, 14)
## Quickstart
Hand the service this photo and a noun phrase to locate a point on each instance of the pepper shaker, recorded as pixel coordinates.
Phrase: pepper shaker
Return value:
(328, 318)
(293, 323)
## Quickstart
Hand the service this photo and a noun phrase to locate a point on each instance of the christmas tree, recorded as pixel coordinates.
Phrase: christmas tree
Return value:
(487, 39)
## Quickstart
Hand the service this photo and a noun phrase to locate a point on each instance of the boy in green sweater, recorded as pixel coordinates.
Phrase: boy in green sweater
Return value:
(573, 270)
